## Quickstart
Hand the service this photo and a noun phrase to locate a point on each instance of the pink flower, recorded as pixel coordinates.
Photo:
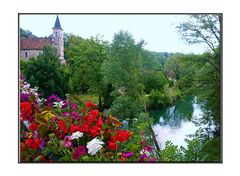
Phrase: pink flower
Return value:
(66, 114)
(67, 141)
(81, 150)
(128, 155)
(74, 106)
(148, 148)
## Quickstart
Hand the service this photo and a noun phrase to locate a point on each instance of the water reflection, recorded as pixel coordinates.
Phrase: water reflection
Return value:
(174, 123)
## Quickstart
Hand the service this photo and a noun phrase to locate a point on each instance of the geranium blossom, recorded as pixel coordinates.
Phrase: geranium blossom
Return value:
(122, 135)
(33, 143)
(76, 135)
(112, 145)
(94, 146)
(33, 127)
(62, 126)
(89, 104)
(26, 110)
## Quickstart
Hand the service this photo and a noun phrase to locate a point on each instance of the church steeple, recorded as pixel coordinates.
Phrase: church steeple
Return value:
(57, 24)
(58, 39)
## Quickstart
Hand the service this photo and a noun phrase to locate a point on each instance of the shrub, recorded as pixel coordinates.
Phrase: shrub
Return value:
(126, 107)
(46, 72)
(155, 81)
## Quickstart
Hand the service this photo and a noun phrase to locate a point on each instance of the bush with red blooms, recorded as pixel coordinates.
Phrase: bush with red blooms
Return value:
(69, 131)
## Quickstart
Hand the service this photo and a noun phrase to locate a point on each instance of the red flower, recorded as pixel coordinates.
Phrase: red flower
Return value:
(62, 126)
(94, 113)
(112, 145)
(74, 128)
(89, 105)
(95, 131)
(36, 143)
(86, 127)
(122, 135)
(33, 143)
(33, 127)
(100, 122)
(25, 109)
(29, 142)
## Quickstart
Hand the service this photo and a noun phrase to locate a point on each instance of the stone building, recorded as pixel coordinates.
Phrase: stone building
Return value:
(33, 46)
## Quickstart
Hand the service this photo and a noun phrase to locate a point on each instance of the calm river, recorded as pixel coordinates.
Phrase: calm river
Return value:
(174, 123)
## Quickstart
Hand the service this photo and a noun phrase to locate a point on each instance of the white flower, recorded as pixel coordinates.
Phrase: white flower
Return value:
(58, 104)
(26, 86)
(94, 146)
(143, 151)
(76, 135)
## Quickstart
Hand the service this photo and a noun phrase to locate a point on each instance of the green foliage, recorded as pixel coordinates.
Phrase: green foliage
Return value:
(202, 29)
(85, 57)
(140, 125)
(156, 99)
(26, 33)
(170, 153)
(122, 69)
(46, 72)
(150, 61)
(161, 98)
(206, 80)
(212, 149)
(197, 150)
(171, 66)
(156, 80)
(23, 65)
(126, 107)
(193, 152)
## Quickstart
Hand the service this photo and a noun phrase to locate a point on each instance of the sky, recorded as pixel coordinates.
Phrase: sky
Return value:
(158, 31)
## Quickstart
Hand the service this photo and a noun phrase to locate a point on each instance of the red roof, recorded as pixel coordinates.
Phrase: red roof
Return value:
(34, 43)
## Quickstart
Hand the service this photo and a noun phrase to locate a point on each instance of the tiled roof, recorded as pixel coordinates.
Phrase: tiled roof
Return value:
(34, 43)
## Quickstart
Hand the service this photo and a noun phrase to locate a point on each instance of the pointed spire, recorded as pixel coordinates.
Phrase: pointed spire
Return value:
(57, 24)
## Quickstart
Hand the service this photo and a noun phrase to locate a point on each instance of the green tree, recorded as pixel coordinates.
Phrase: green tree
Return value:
(172, 65)
(202, 29)
(150, 61)
(155, 80)
(46, 72)
(206, 82)
(123, 71)
(85, 58)
(26, 33)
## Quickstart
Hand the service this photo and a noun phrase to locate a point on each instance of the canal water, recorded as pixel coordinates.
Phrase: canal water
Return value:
(174, 123)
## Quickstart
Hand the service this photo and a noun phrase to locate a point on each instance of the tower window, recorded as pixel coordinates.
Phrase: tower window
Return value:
(56, 34)
(26, 54)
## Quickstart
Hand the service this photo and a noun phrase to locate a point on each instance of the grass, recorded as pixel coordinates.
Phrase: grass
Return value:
(86, 97)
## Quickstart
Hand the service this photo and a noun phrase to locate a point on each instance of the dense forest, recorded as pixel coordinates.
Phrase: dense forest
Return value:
(124, 81)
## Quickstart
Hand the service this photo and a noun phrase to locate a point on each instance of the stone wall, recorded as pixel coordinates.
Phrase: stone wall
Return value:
(30, 54)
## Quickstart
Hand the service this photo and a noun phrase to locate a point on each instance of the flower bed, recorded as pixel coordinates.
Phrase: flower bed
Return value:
(56, 130)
